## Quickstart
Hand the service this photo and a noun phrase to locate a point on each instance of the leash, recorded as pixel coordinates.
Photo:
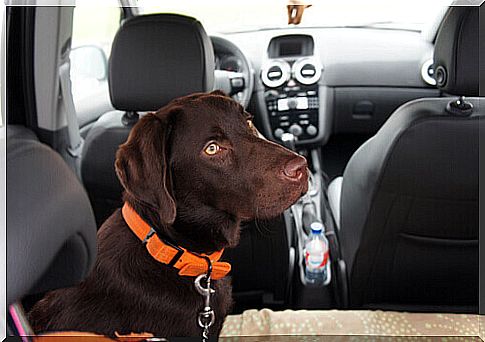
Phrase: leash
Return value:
(206, 317)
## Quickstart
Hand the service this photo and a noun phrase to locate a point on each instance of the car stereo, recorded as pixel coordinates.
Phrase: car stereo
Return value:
(294, 111)
(290, 76)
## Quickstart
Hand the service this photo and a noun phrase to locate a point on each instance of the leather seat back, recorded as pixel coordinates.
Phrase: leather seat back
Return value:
(154, 59)
(410, 210)
(51, 232)
(409, 200)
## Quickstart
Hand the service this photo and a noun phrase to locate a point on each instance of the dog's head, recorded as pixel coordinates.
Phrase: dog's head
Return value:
(201, 165)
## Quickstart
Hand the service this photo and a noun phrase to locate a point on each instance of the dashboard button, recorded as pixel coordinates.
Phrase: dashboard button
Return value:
(311, 130)
(292, 103)
(278, 133)
(237, 82)
(296, 130)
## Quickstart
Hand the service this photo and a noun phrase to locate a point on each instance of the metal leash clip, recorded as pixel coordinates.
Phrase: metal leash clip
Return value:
(206, 317)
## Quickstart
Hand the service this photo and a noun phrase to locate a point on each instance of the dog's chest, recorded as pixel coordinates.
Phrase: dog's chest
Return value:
(175, 313)
(155, 298)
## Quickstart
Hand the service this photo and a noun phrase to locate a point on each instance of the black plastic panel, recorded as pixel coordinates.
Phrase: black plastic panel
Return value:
(365, 109)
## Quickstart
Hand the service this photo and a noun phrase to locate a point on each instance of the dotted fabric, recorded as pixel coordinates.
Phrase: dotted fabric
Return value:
(335, 322)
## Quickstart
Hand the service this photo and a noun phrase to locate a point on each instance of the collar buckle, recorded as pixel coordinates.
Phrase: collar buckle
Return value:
(150, 233)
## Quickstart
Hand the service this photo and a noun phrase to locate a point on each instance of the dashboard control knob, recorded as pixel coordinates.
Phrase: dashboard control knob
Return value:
(296, 130)
(311, 130)
(278, 133)
(292, 103)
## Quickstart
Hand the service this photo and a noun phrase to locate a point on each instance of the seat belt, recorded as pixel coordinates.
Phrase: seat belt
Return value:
(76, 142)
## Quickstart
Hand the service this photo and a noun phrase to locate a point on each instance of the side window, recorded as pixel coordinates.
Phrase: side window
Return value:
(94, 28)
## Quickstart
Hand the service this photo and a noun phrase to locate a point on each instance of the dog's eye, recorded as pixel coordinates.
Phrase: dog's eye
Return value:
(212, 148)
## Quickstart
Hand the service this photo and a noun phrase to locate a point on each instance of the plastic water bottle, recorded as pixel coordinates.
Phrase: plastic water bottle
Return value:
(316, 255)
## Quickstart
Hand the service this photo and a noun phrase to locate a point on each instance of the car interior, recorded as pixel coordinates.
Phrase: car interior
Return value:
(388, 119)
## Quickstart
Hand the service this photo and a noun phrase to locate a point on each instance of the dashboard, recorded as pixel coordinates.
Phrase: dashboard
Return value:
(315, 82)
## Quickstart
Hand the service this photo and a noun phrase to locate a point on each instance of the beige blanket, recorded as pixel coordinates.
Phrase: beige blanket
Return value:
(335, 322)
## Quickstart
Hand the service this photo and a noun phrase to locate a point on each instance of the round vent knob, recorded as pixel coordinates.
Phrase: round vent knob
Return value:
(275, 73)
(307, 71)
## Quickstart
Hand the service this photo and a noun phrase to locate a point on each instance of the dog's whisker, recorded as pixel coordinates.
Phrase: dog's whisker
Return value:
(262, 229)
(266, 228)
(256, 221)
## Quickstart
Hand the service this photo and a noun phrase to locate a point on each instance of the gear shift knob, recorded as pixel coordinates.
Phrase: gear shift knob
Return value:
(289, 141)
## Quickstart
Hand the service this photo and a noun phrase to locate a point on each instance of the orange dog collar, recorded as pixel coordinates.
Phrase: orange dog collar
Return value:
(188, 263)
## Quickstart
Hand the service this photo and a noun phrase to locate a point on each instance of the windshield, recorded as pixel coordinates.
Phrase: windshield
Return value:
(225, 16)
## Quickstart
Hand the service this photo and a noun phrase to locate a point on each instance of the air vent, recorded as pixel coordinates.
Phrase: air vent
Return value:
(427, 72)
(307, 71)
(275, 73)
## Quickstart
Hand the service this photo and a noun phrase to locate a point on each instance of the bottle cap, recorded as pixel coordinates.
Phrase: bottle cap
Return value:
(316, 227)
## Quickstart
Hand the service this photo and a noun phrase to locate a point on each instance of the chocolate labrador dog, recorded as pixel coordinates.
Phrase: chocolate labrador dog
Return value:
(192, 171)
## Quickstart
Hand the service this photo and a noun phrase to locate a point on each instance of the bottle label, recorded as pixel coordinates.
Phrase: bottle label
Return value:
(316, 261)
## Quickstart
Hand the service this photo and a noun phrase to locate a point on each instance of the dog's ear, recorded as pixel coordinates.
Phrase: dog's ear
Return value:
(142, 164)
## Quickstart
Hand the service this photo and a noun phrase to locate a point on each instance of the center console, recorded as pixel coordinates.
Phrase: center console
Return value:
(295, 107)
(308, 209)
(293, 99)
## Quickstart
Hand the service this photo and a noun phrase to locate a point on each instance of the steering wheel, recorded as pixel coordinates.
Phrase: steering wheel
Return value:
(238, 85)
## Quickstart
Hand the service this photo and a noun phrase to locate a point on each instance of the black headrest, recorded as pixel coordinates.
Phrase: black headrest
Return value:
(156, 58)
(51, 232)
(456, 52)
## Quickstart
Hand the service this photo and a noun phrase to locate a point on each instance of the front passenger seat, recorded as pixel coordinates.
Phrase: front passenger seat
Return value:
(154, 59)
(51, 232)
(407, 205)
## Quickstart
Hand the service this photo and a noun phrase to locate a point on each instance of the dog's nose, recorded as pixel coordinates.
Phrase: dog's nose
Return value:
(295, 169)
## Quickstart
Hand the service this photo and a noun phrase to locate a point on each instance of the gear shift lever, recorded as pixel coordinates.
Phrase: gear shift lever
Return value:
(289, 141)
